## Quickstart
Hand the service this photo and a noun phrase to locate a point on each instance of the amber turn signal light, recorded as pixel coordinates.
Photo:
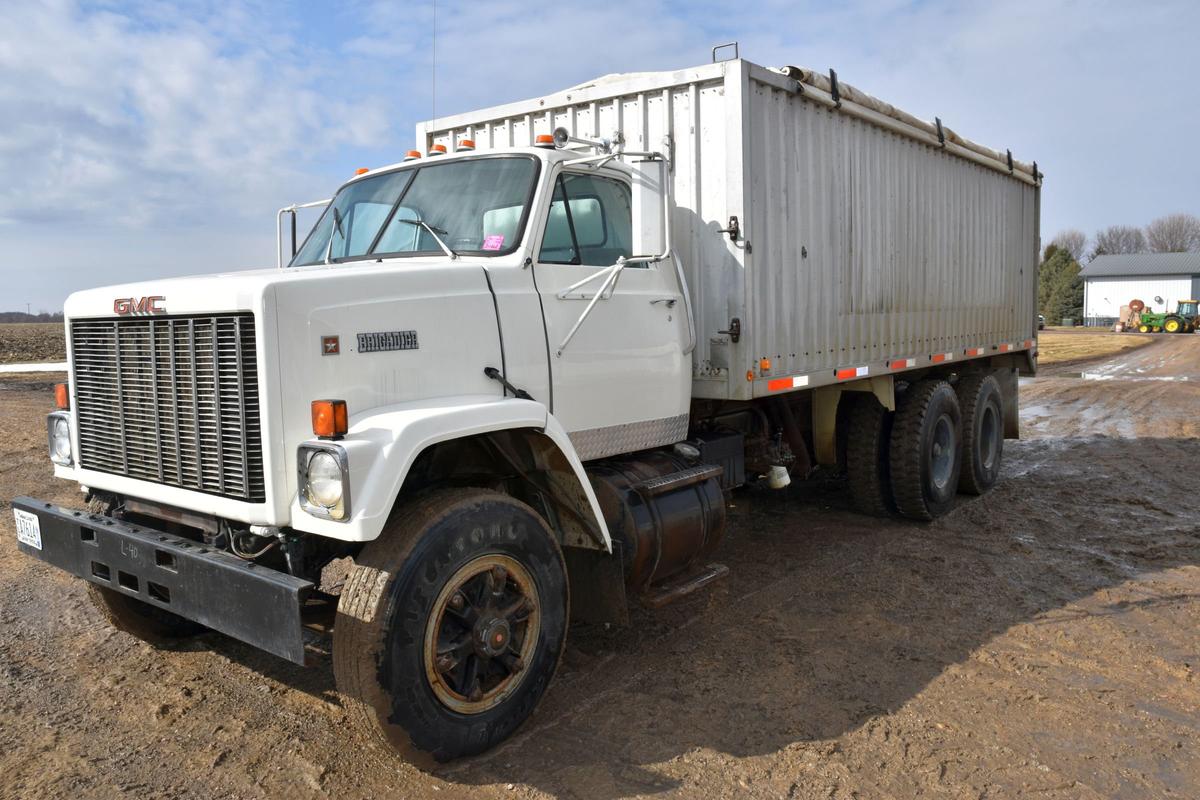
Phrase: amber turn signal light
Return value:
(62, 398)
(329, 419)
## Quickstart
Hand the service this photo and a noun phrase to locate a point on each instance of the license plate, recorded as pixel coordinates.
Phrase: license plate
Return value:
(29, 529)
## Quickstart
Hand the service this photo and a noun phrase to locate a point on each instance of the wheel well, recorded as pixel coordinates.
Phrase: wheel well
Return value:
(523, 463)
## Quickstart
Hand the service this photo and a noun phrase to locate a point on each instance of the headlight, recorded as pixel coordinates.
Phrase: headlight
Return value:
(324, 481)
(59, 430)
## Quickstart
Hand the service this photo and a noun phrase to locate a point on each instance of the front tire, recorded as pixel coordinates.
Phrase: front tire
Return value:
(451, 625)
(155, 626)
(152, 625)
(925, 452)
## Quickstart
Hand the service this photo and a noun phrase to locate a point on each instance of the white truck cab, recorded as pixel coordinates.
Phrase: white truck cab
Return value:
(511, 379)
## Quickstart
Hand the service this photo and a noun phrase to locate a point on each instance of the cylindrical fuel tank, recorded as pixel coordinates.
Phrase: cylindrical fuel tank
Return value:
(667, 514)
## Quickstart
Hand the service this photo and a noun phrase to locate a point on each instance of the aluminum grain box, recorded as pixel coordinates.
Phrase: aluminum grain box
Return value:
(871, 242)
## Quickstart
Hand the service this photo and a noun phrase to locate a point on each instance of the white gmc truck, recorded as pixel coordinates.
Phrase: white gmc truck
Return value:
(511, 380)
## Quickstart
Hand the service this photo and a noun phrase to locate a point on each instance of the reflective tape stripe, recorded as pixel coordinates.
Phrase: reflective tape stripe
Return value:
(903, 363)
(938, 358)
(1005, 347)
(974, 351)
(1029, 342)
(852, 372)
(780, 384)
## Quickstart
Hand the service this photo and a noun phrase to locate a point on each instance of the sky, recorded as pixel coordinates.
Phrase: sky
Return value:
(142, 140)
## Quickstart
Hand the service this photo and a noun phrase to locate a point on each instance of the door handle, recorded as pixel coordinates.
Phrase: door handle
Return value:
(670, 301)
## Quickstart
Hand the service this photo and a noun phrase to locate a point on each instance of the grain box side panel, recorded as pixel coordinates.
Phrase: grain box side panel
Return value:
(870, 245)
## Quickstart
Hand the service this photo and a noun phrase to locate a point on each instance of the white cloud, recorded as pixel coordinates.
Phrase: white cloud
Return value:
(142, 121)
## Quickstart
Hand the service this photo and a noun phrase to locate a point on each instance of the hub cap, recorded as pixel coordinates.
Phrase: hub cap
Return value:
(482, 633)
(941, 461)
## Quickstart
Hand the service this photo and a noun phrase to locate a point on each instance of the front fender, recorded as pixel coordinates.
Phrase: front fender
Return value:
(382, 444)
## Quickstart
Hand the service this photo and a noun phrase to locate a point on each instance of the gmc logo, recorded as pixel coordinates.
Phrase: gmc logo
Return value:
(140, 305)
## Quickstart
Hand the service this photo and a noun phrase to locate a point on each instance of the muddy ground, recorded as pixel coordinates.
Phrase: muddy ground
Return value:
(1040, 641)
(27, 342)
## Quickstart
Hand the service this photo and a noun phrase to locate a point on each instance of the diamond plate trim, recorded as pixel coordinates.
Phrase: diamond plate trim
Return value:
(628, 437)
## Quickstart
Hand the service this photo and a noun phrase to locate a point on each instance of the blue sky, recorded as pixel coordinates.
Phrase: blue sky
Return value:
(145, 139)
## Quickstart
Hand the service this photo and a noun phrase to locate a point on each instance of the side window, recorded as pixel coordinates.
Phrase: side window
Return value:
(591, 221)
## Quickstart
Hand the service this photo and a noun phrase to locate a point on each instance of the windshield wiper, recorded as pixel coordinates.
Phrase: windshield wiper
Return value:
(434, 233)
(337, 223)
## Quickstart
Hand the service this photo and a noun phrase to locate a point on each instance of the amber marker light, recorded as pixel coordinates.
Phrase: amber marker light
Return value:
(62, 397)
(329, 419)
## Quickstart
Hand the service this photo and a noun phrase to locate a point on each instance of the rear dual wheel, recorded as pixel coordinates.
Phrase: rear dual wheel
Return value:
(451, 625)
(980, 400)
(925, 450)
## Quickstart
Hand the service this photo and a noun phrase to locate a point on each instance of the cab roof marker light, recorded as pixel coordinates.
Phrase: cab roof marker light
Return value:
(412, 155)
(362, 171)
(437, 150)
(544, 140)
(465, 146)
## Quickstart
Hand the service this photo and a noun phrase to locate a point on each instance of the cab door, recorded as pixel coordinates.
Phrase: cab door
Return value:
(622, 381)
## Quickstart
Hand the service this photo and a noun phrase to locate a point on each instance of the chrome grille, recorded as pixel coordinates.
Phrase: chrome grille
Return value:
(172, 400)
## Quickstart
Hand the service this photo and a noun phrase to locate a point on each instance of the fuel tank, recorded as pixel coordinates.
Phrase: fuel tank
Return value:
(666, 512)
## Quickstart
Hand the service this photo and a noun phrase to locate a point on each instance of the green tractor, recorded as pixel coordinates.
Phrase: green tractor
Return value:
(1185, 319)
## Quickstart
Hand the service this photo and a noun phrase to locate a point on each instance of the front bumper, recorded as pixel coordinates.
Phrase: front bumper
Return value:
(256, 605)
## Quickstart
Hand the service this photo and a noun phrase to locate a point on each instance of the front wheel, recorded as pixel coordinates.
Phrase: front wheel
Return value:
(451, 625)
(1173, 325)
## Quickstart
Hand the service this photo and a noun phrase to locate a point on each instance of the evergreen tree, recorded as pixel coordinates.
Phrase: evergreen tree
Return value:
(1060, 289)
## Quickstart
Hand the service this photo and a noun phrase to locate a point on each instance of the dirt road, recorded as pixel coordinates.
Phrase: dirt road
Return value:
(1042, 640)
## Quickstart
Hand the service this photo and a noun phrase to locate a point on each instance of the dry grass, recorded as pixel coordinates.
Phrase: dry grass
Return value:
(32, 342)
(1058, 347)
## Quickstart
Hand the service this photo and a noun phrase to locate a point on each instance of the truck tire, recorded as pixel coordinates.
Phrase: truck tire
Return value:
(140, 619)
(151, 624)
(451, 625)
(868, 431)
(982, 409)
(925, 453)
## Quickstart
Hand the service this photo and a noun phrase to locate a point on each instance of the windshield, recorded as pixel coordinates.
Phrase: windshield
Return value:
(475, 206)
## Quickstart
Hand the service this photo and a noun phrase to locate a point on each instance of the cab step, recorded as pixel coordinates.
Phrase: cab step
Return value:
(678, 480)
(676, 588)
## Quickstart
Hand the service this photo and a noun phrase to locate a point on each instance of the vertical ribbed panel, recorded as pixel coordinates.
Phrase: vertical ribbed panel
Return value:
(864, 244)
(870, 245)
(173, 400)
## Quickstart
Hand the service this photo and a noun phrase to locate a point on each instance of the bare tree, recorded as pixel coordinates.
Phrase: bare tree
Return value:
(1174, 233)
(1118, 240)
(1073, 241)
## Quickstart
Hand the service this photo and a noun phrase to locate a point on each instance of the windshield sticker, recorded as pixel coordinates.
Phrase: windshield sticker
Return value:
(493, 241)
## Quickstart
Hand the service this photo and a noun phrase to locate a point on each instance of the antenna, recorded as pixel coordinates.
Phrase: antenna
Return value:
(433, 72)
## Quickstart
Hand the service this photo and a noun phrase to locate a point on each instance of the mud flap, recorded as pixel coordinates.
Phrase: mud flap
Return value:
(255, 604)
(1009, 395)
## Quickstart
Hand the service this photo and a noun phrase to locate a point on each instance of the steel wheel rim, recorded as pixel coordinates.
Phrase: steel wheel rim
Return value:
(941, 460)
(482, 633)
(988, 429)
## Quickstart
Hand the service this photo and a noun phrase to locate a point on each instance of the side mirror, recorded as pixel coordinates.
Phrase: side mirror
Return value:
(650, 192)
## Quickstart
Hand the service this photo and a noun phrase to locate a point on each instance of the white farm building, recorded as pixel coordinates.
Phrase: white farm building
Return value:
(1160, 280)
